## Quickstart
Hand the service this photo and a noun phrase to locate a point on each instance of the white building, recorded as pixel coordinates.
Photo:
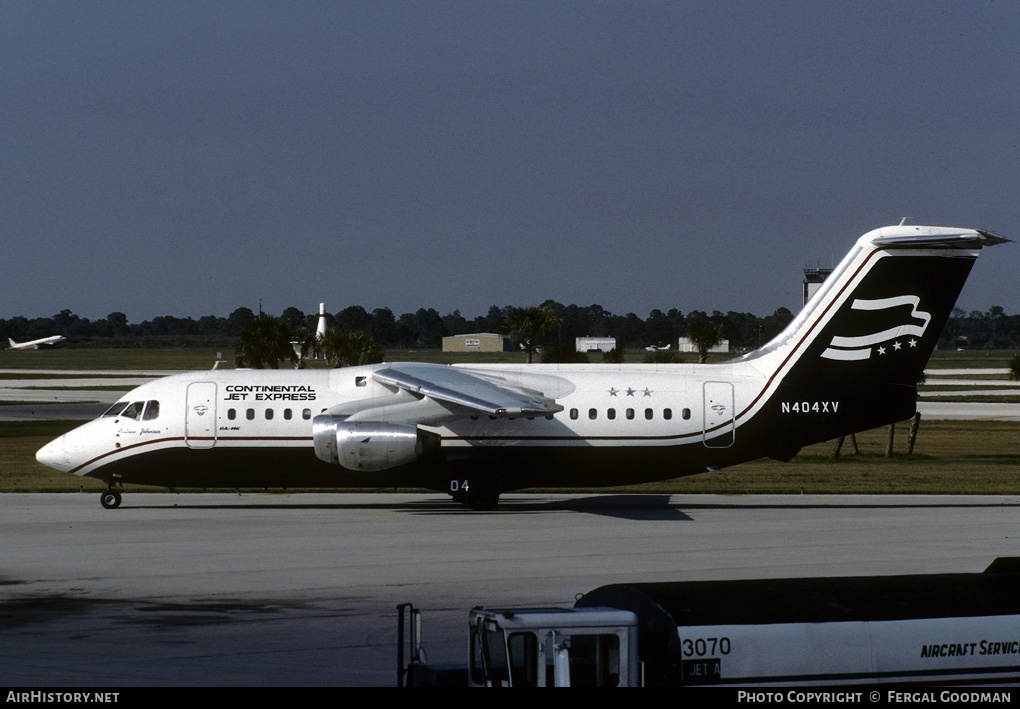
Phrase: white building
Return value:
(687, 346)
(595, 344)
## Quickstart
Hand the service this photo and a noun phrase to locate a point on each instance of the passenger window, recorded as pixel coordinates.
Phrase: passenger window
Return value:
(667, 414)
(250, 414)
(630, 414)
(593, 414)
(611, 414)
(288, 414)
(151, 410)
(686, 414)
(649, 414)
(231, 414)
(269, 414)
(306, 414)
(573, 413)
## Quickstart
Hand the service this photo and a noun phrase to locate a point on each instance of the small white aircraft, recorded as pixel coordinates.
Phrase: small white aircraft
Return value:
(848, 362)
(35, 344)
(653, 348)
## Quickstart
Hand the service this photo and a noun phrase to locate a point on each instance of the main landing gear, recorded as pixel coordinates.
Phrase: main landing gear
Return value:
(482, 503)
(110, 499)
(474, 483)
(478, 501)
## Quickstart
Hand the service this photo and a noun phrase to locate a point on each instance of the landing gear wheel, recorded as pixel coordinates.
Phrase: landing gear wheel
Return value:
(110, 500)
(482, 503)
(473, 481)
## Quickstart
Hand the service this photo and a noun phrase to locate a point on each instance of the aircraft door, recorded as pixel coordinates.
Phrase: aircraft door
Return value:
(200, 415)
(719, 412)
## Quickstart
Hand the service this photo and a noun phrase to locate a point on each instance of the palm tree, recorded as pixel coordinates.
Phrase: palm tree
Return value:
(306, 344)
(704, 335)
(264, 343)
(530, 327)
(349, 348)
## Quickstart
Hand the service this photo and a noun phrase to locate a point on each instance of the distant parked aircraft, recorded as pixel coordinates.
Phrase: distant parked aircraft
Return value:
(653, 348)
(36, 344)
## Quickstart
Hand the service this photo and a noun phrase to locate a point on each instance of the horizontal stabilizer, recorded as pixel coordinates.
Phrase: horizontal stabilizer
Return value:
(965, 239)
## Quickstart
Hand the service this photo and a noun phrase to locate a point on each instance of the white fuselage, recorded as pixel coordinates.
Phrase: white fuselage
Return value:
(603, 406)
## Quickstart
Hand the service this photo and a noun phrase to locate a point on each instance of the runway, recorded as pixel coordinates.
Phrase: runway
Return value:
(300, 590)
(61, 394)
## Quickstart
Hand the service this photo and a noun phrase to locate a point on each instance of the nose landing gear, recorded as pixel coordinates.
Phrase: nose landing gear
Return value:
(110, 499)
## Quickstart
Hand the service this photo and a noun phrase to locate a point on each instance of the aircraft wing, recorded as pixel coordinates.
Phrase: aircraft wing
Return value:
(486, 392)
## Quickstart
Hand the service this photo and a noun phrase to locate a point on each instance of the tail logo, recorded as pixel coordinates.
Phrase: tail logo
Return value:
(861, 347)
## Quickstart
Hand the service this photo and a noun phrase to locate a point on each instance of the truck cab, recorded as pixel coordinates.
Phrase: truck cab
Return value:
(553, 647)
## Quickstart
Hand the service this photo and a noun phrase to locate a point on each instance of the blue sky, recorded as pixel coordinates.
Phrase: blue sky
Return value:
(188, 158)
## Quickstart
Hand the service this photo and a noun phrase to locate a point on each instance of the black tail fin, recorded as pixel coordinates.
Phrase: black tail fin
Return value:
(855, 354)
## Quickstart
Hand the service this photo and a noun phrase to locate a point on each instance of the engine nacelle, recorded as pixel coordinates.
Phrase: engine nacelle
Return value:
(370, 446)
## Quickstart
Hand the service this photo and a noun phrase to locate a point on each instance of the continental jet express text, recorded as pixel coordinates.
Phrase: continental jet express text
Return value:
(264, 392)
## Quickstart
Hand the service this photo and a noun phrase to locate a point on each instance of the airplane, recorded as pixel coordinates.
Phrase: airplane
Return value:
(654, 348)
(848, 362)
(36, 344)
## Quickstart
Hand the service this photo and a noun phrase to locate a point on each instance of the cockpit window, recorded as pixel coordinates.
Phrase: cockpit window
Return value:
(116, 409)
(151, 410)
(133, 411)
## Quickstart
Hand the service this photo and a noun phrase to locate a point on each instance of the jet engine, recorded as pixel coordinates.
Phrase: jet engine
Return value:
(370, 446)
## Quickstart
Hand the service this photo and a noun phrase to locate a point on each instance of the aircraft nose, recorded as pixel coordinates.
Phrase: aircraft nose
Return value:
(54, 455)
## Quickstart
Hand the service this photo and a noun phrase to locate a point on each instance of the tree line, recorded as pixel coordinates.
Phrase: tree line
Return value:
(425, 327)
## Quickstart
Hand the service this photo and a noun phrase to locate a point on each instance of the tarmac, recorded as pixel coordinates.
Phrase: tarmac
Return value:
(301, 590)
